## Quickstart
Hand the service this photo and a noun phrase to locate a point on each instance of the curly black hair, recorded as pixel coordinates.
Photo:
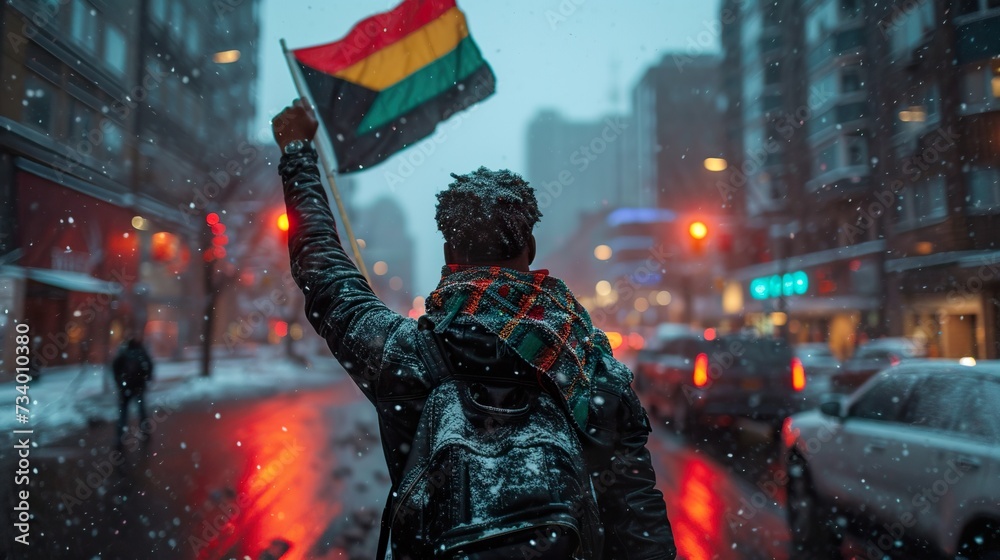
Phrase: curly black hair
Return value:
(487, 214)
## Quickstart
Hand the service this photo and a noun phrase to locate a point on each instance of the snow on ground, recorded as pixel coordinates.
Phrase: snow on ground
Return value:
(69, 398)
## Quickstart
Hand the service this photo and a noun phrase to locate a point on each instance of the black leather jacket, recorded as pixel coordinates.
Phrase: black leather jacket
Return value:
(377, 347)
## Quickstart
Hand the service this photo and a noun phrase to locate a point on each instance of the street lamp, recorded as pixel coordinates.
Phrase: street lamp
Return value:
(716, 164)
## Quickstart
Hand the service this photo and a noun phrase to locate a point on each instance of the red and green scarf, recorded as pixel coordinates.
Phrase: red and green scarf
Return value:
(536, 315)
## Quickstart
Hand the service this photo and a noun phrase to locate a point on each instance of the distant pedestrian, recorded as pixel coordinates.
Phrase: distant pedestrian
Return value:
(132, 369)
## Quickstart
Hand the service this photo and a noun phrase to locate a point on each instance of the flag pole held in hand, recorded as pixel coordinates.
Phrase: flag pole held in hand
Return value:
(326, 158)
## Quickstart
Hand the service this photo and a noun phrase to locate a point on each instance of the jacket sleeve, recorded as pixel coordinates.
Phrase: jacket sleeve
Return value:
(339, 303)
(632, 509)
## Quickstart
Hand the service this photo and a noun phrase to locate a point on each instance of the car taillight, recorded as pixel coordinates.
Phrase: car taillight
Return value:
(798, 375)
(701, 370)
(893, 360)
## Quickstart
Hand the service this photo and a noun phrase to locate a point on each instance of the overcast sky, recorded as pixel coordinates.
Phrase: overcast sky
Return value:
(581, 57)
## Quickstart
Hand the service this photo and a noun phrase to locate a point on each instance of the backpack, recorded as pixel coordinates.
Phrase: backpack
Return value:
(484, 482)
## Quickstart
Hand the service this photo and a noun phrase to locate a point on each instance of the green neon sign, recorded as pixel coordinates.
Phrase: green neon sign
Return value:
(778, 285)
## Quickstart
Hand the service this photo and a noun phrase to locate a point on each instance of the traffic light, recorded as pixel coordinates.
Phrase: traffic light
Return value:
(698, 233)
(219, 238)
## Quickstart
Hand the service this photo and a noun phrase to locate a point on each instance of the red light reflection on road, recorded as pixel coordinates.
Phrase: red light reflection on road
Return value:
(279, 493)
(699, 515)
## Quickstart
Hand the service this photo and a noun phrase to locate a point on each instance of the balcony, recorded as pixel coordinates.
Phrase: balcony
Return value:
(844, 42)
(979, 39)
(840, 181)
(840, 114)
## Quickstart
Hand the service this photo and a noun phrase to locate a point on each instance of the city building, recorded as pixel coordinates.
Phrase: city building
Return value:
(941, 167)
(578, 168)
(872, 210)
(388, 250)
(123, 125)
(679, 109)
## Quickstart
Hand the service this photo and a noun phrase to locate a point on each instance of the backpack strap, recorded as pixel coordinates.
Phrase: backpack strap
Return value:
(438, 370)
(431, 352)
(383, 534)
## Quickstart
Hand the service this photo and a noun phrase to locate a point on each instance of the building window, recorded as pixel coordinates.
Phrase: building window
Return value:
(851, 80)
(849, 150)
(160, 10)
(827, 159)
(922, 204)
(772, 74)
(82, 121)
(37, 103)
(193, 35)
(821, 22)
(115, 53)
(84, 24)
(969, 7)
(980, 87)
(857, 150)
(907, 29)
(850, 8)
(177, 18)
(984, 190)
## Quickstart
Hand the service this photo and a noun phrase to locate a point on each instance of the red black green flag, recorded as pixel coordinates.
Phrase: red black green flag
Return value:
(393, 78)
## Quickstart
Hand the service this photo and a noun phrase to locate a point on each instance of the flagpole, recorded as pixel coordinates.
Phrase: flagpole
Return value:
(326, 157)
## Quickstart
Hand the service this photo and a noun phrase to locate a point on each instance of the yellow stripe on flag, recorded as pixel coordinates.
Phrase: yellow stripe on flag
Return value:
(418, 49)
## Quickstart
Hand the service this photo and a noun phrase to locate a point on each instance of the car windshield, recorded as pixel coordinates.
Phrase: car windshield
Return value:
(756, 355)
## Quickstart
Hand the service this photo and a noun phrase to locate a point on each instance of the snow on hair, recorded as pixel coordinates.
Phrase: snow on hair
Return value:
(487, 213)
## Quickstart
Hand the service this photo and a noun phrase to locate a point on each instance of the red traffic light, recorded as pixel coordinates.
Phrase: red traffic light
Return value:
(212, 219)
(698, 230)
(283, 222)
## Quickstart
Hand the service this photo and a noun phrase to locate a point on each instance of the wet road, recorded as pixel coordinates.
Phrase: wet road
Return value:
(301, 475)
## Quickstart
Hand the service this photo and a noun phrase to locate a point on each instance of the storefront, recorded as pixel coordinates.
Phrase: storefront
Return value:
(949, 302)
(77, 267)
(830, 296)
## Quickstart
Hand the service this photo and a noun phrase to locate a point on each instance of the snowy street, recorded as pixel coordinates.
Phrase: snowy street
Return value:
(300, 474)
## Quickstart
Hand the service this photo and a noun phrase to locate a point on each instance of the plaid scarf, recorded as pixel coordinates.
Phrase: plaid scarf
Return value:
(536, 315)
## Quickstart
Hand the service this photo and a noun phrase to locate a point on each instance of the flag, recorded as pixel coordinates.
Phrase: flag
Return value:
(393, 78)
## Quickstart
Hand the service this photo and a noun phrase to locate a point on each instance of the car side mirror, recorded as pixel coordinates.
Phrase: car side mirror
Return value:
(833, 408)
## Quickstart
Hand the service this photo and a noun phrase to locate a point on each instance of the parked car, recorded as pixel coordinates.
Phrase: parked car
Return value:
(873, 357)
(665, 364)
(817, 358)
(695, 382)
(911, 461)
(745, 376)
(820, 365)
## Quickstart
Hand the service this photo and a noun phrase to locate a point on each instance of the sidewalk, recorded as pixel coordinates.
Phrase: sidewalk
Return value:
(68, 398)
